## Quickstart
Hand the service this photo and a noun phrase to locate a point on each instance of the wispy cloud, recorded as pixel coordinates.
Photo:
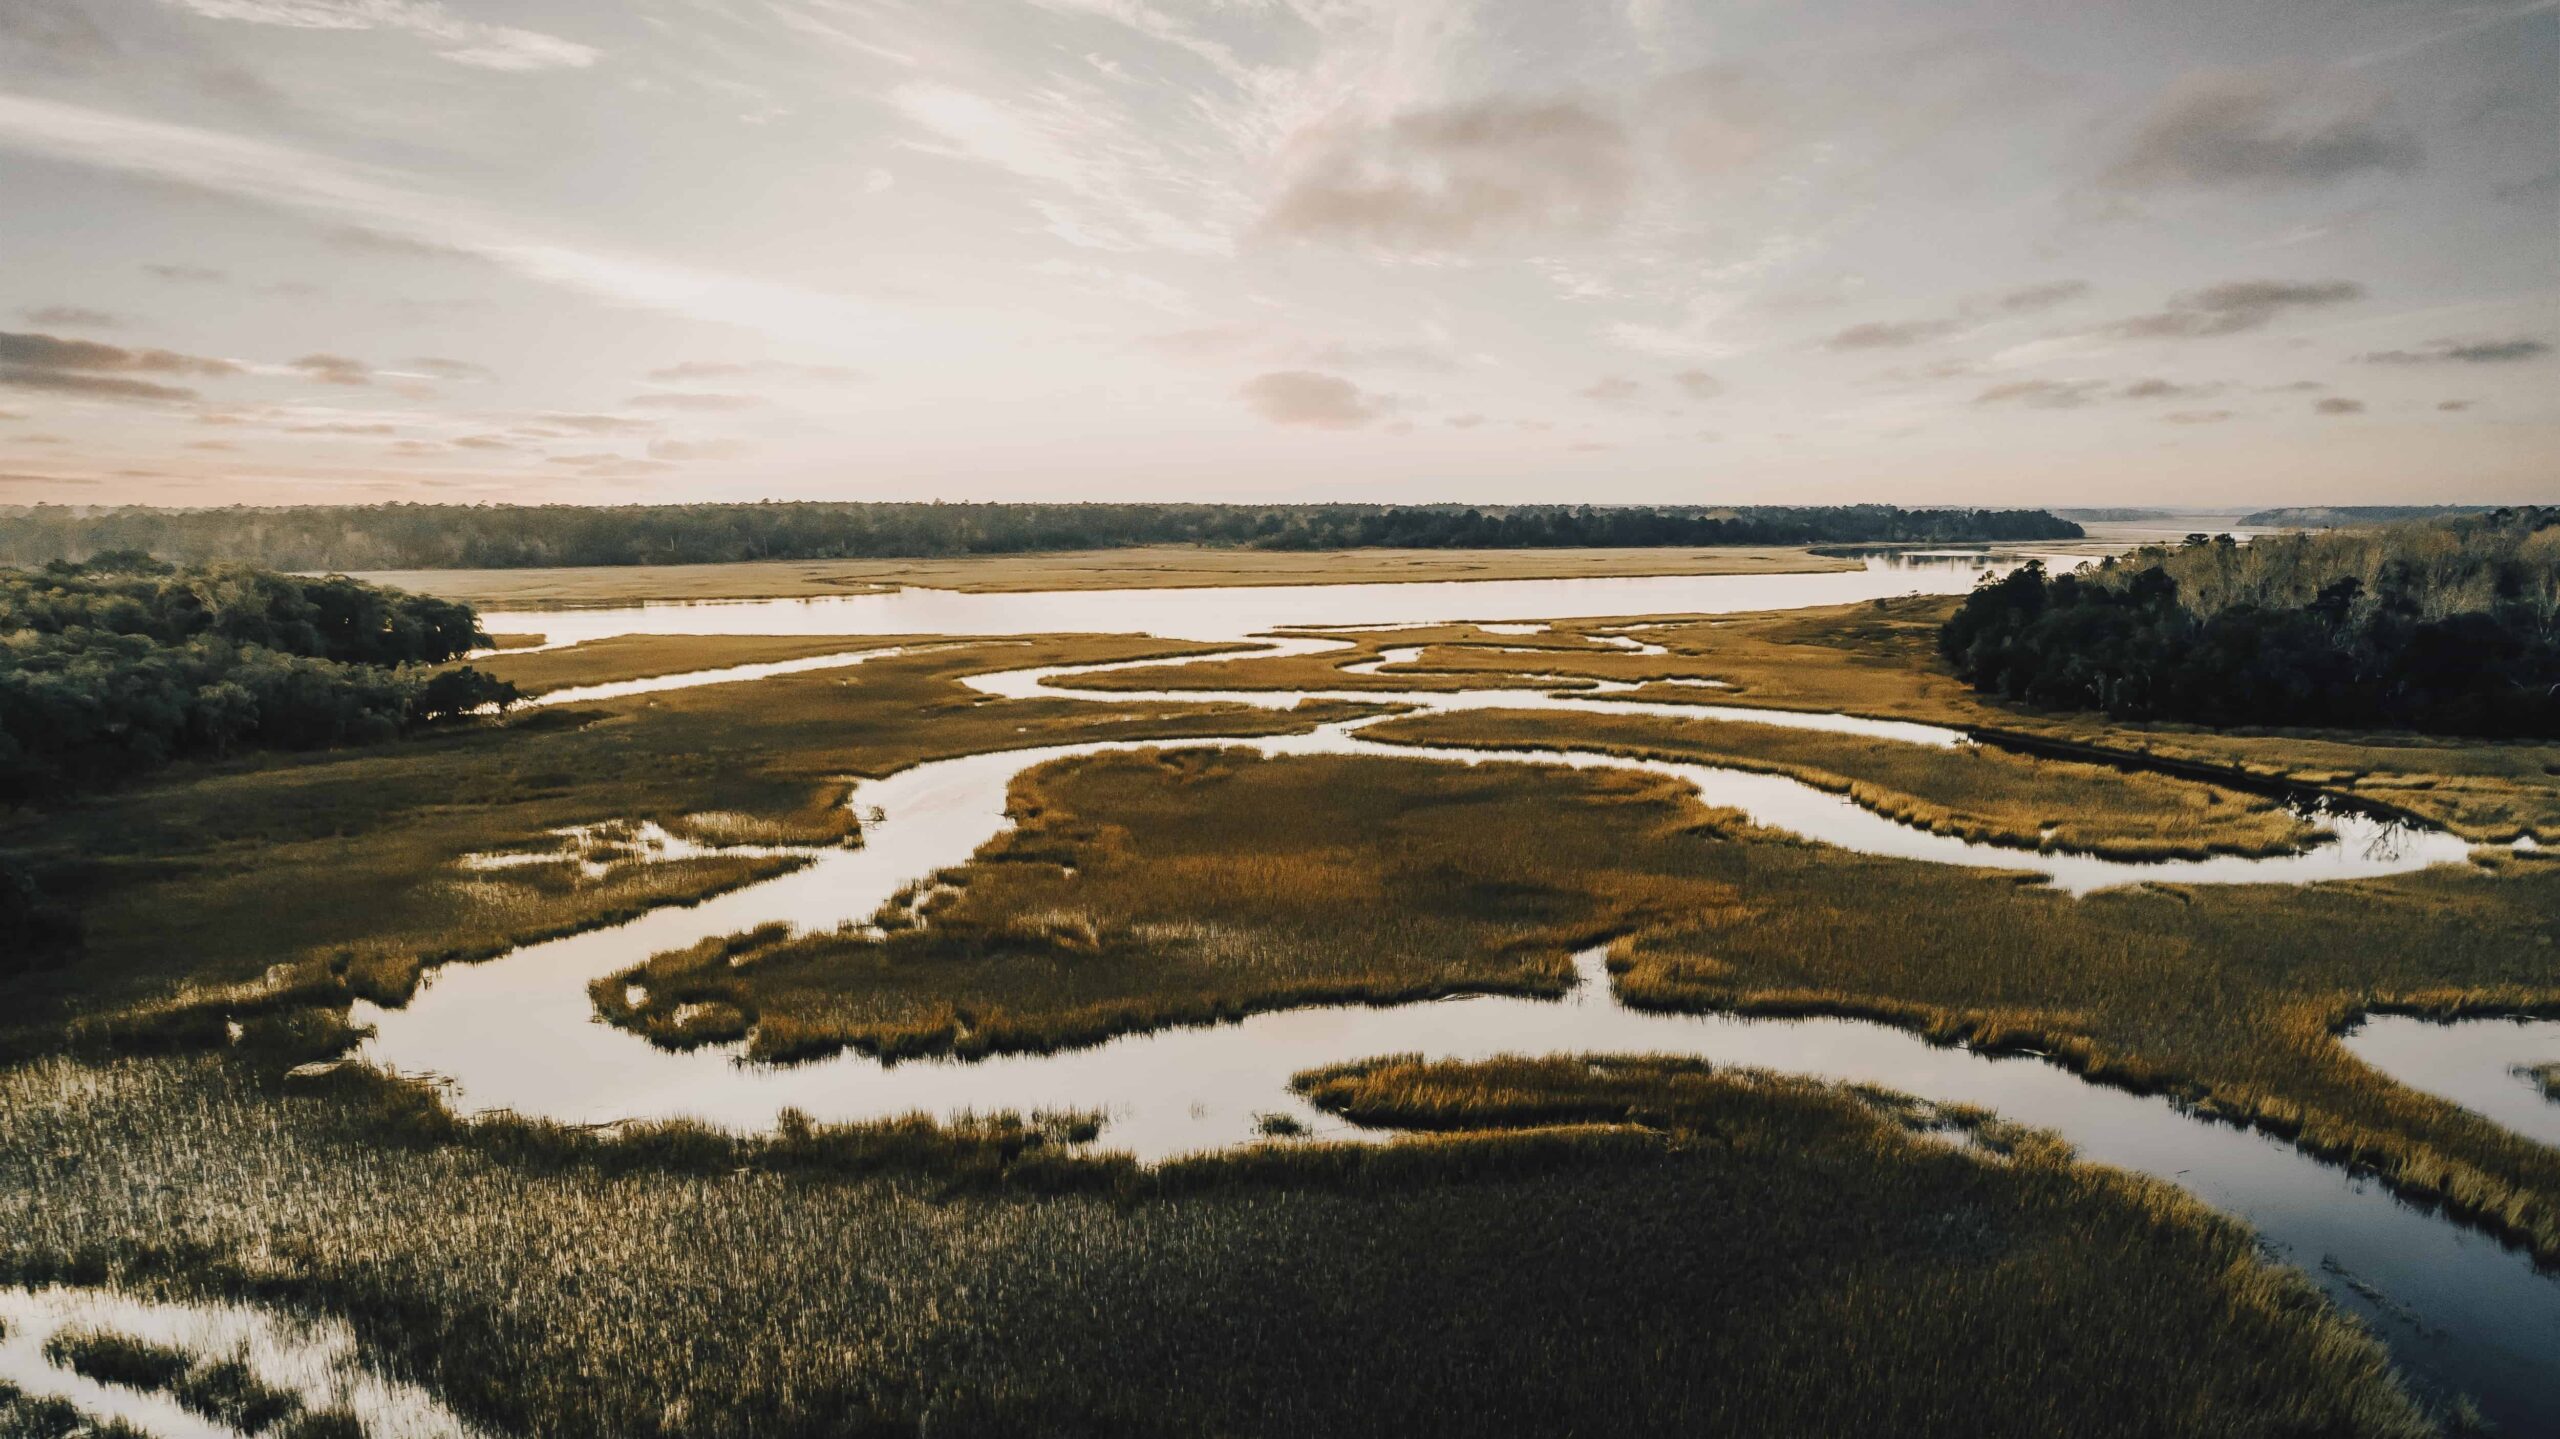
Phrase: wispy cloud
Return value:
(2463, 352)
(2241, 305)
(316, 185)
(32, 361)
(71, 317)
(334, 369)
(1889, 335)
(1451, 178)
(693, 400)
(1305, 397)
(690, 370)
(2260, 128)
(464, 41)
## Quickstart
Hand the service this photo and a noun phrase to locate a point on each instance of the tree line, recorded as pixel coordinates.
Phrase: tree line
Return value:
(2451, 627)
(406, 536)
(116, 665)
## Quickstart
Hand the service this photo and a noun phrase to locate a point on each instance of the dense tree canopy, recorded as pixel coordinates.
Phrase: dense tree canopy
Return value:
(392, 537)
(121, 663)
(2452, 627)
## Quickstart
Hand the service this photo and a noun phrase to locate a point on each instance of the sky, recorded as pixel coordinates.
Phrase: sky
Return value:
(2146, 253)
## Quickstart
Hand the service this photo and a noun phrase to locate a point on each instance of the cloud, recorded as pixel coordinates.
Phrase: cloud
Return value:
(471, 42)
(690, 370)
(2042, 297)
(486, 442)
(31, 361)
(2073, 394)
(1717, 119)
(2338, 405)
(55, 353)
(2453, 404)
(1203, 343)
(1891, 335)
(1612, 390)
(1465, 422)
(73, 317)
(1698, 384)
(2045, 394)
(317, 185)
(2197, 417)
(596, 424)
(1306, 397)
(444, 369)
(1339, 356)
(1456, 177)
(187, 274)
(696, 449)
(692, 400)
(55, 32)
(334, 369)
(2229, 309)
(2252, 128)
(374, 242)
(104, 387)
(2156, 389)
(2465, 352)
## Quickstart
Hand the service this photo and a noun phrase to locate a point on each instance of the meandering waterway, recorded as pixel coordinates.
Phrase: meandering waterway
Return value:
(2462, 1313)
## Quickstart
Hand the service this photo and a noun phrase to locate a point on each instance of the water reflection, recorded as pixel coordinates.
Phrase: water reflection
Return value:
(1238, 613)
(315, 1360)
(2484, 1065)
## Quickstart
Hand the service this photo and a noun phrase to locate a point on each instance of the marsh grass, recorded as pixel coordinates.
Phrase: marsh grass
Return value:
(228, 1392)
(1114, 908)
(639, 657)
(1207, 884)
(1976, 792)
(25, 1416)
(118, 1359)
(1880, 659)
(2545, 1077)
(231, 881)
(1764, 1258)
(224, 1390)
(1138, 567)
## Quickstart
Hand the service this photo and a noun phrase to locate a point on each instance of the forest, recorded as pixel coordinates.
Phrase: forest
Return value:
(404, 536)
(2450, 626)
(116, 665)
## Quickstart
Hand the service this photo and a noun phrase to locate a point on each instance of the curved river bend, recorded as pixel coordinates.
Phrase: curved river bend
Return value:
(2462, 1313)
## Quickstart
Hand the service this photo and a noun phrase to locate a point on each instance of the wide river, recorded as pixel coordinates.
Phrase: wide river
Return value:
(2463, 1314)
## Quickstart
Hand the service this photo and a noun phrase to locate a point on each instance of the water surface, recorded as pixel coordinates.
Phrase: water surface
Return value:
(2460, 1311)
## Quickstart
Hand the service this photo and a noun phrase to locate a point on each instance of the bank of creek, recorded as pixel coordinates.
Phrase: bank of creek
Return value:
(2463, 1314)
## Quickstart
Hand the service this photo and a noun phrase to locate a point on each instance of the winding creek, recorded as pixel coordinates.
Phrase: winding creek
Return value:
(2463, 1314)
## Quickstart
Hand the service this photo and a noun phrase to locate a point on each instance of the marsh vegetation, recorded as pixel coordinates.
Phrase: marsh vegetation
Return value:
(1133, 567)
(194, 897)
(1865, 1274)
(670, 1278)
(1143, 890)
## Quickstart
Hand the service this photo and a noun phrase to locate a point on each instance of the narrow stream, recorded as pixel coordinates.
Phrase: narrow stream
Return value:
(316, 1361)
(2462, 1313)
